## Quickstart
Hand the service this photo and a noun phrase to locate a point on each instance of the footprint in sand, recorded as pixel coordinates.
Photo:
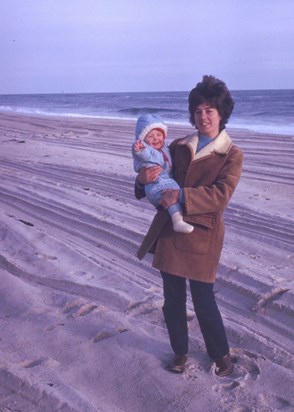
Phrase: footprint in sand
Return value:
(46, 257)
(47, 362)
(246, 370)
(84, 275)
(192, 371)
(33, 363)
(85, 310)
(145, 307)
(78, 308)
(276, 402)
(106, 335)
(52, 327)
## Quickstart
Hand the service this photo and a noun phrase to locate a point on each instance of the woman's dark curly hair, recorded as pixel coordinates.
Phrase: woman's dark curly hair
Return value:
(214, 92)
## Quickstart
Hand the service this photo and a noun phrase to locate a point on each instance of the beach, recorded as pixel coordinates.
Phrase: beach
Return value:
(81, 321)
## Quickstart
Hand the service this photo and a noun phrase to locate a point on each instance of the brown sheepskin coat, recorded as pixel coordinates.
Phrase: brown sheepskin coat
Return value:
(208, 179)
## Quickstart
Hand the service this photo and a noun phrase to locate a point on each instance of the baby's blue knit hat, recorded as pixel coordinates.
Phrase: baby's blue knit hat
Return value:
(148, 122)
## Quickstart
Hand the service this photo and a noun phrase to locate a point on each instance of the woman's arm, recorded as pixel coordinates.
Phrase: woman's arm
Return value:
(146, 175)
(209, 199)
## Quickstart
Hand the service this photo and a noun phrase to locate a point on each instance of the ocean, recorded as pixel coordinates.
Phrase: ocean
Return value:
(269, 111)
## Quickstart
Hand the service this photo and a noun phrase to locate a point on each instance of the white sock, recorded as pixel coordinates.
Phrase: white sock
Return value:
(179, 225)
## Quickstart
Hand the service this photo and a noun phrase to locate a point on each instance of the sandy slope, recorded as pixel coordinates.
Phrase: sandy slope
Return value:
(81, 322)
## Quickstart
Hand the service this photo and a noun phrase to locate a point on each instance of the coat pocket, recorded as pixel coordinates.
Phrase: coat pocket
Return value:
(198, 242)
(206, 221)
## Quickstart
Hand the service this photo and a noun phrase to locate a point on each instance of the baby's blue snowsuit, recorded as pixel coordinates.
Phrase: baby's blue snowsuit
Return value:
(149, 157)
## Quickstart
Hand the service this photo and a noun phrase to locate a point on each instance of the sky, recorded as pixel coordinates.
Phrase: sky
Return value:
(84, 46)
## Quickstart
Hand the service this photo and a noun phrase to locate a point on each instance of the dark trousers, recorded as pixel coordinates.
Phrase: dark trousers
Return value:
(207, 313)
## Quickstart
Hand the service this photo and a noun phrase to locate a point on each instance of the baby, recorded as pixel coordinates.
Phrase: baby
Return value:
(149, 150)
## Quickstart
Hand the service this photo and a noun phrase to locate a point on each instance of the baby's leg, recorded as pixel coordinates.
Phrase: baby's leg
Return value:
(154, 193)
(179, 225)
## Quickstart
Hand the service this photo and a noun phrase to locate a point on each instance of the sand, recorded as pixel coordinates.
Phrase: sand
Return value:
(81, 321)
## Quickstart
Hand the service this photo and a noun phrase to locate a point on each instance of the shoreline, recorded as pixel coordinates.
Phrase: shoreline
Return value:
(182, 124)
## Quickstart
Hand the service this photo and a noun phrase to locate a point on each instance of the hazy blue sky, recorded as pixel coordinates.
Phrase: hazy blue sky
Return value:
(50, 46)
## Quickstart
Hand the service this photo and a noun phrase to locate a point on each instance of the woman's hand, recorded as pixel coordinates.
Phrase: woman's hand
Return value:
(169, 197)
(149, 174)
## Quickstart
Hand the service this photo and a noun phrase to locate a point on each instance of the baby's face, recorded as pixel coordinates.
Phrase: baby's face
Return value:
(155, 138)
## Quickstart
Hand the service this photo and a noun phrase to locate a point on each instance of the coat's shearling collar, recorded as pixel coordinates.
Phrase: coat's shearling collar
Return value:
(221, 144)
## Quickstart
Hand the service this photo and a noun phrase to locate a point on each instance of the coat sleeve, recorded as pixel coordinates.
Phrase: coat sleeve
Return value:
(211, 199)
(139, 190)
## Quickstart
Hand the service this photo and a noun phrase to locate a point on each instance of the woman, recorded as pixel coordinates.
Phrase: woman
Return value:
(207, 167)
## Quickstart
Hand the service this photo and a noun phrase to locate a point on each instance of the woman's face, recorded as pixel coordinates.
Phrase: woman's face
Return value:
(207, 120)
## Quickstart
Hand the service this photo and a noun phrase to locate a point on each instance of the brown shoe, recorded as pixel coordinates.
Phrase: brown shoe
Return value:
(178, 364)
(224, 366)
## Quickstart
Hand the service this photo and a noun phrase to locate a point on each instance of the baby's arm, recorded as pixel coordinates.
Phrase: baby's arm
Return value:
(139, 145)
